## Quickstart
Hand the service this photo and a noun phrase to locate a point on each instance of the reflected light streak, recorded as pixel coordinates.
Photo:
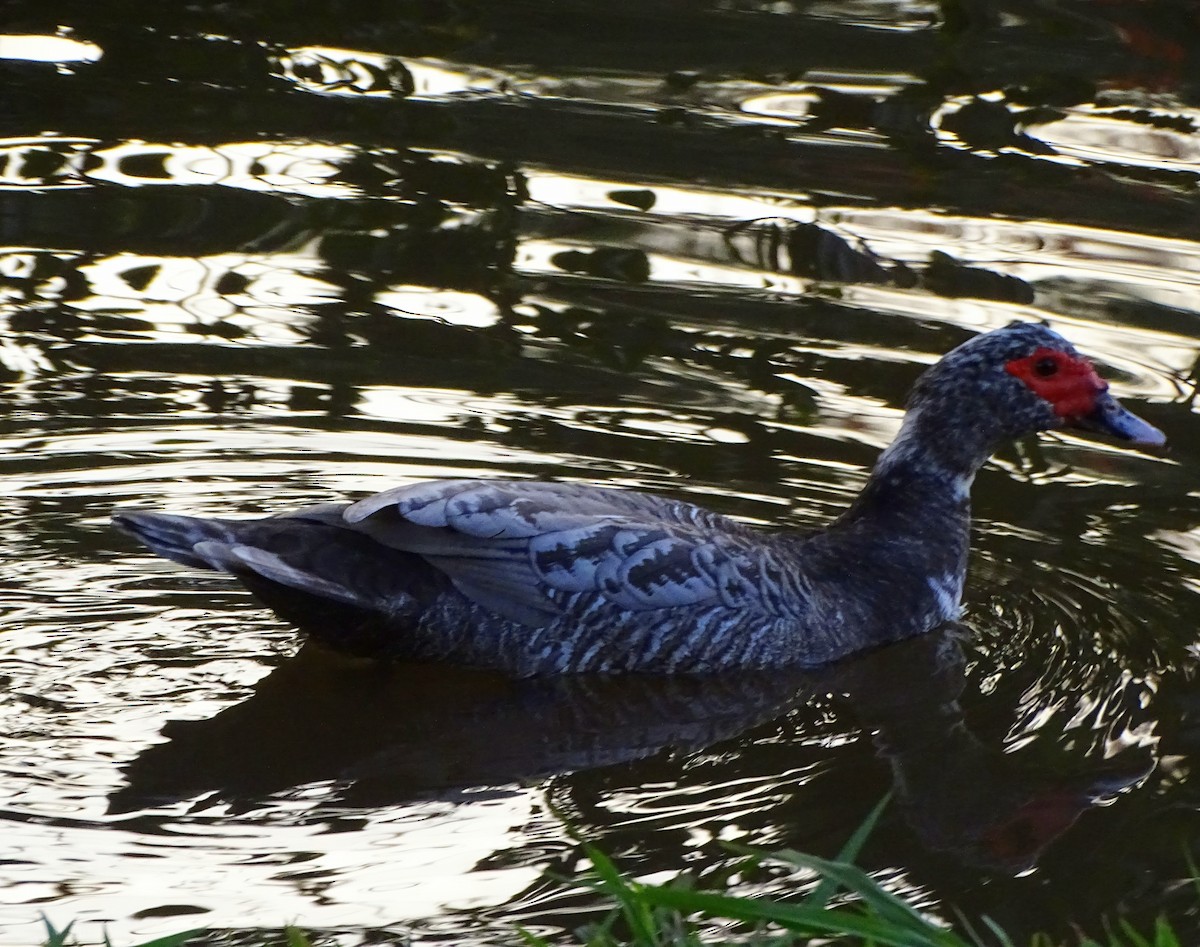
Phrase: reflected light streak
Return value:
(332, 71)
(1102, 136)
(535, 257)
(442, 305)
(565, 190)
(424, 860)
(793, 105)
(291, 167)
(270, 166)
(59, 49)
(1047, 247)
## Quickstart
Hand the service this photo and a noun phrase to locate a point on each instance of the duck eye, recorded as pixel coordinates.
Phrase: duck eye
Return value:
(1045, 367)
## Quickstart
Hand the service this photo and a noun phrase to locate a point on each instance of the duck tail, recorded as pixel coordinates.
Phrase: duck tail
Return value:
(271, 549)
(334, 583)
(174, 537)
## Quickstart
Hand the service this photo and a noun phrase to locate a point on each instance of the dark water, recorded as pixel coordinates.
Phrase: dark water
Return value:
(256, 256)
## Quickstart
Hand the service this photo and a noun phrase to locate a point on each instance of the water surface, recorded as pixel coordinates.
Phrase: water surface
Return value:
(254, 259)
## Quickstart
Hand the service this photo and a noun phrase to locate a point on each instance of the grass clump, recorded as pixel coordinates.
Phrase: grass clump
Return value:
(674, 915)
(655, 915)
(669, 915)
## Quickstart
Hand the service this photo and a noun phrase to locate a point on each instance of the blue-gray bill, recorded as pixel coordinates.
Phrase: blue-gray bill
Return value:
(1110, 417)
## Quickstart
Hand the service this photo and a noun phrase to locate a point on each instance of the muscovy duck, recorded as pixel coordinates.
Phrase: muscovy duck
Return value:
(542, 578)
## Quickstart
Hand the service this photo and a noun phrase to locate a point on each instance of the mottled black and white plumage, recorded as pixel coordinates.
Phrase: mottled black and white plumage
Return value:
(544, 578)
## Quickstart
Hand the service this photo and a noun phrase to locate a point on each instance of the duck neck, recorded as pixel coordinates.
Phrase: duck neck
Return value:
(922, 482)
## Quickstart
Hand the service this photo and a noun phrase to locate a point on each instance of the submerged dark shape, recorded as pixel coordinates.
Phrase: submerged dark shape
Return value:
(541, 578)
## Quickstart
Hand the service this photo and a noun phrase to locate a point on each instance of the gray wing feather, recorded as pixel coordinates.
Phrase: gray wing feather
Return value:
(235, 558)
(514, 547)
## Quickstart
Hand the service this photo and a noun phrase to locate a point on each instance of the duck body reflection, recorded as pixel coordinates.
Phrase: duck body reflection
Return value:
(382, 734)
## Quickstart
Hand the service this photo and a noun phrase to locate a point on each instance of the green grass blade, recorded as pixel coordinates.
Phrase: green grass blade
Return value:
(974, 938)
(1136, 939)
(827, 888)
(530, 939)
(998, 932)
(628, 896)
(1164, 934)
(887, 905)
(55, 937)
(803, 919)
(296, 937)
(1192, 869)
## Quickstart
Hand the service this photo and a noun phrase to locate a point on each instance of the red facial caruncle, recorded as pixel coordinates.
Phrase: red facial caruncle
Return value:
(1068, 382)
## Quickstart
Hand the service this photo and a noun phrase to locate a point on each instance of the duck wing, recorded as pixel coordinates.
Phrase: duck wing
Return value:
(522, 548)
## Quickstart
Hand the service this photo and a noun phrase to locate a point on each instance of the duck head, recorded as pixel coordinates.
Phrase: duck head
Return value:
(1065, 382)
(1006, 384)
